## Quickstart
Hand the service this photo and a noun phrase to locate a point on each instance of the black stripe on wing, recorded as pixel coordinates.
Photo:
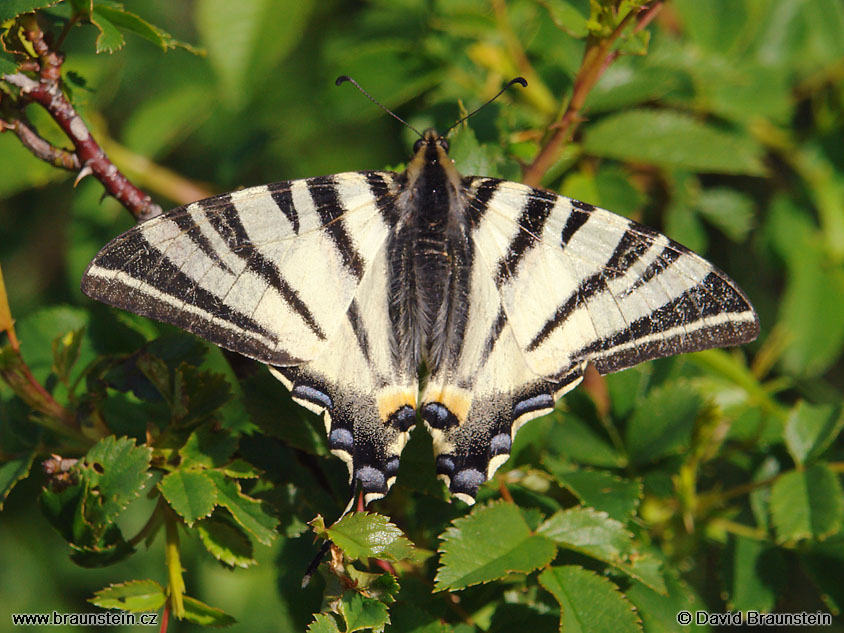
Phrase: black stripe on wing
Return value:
(223, 216)
(330, 209)
(531, 224)
(356, 322)
(630, 249)
(713, 296)
(479, 192)
(186, 223)
(283, 198)
(577, 218)
(151, 267)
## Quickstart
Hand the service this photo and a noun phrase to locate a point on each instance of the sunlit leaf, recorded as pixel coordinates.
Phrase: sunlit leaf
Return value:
(191, 494)
(226, 543)
(200, 613)
(365, 535)
(488, 544)
(251, 514)
(134, 596)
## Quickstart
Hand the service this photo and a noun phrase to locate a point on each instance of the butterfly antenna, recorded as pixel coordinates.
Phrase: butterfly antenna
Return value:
(320, 555)
(517, 80)
(344, 78)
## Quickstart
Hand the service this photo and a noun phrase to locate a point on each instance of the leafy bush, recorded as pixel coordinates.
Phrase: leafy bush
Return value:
(707, 482)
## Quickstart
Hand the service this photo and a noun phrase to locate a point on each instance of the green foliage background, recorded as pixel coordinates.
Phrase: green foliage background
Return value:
(721, 124)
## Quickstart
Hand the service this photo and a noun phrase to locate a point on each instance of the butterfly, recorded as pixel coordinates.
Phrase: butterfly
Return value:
(379, 298)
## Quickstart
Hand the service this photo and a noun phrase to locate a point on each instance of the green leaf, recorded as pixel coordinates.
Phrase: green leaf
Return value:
(627, 388)
(207, 447)
(383, 587)
(662, 423)
(491, 542)
(8, 64)
(369, 535)
(66, 352)
(363, 613)
(472, 157)
(596, 535)
(192, 495)
(38, 330)
(200, 613)
(807, 504)
(627, 83)
(581, 443)
(672, 139)
(683, 224)
(115, 471)
(226, 543)
(727, 209)
(755, 573)
(659, 612)
(590, 532)
(110, 38)
(198, 394)
(280, 417)
(135, 596)
(569, 16)
(323, 623)
(602, 490)
(253, 34)
(814, 291)
(810, 430)
(588, 602)
(127, 21)
(12, 472)
(240, 469)
(13, 8)
(252, 515)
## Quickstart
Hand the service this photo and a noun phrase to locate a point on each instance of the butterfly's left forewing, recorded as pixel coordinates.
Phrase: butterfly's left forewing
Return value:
(559, 284)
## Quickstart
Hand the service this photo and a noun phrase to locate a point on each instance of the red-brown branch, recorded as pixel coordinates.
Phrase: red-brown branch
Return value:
(597, 57)
(30, 139)
(46, 91)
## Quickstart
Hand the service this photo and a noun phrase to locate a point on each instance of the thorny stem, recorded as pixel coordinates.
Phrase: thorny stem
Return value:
(42, 149)
(46, 91)
(597, 57)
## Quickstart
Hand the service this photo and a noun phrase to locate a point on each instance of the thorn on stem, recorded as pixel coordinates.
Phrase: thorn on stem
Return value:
(85, 171)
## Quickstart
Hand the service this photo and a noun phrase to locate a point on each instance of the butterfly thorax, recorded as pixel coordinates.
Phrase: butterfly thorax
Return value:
(426, 253)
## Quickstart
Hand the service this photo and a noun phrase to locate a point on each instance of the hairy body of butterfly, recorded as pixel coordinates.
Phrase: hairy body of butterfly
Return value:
(347, 284)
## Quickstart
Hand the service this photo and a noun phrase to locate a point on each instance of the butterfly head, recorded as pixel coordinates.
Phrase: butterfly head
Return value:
(431, 148)
(431, 174)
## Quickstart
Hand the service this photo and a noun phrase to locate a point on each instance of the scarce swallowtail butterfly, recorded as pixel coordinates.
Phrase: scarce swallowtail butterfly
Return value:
(347, 285)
